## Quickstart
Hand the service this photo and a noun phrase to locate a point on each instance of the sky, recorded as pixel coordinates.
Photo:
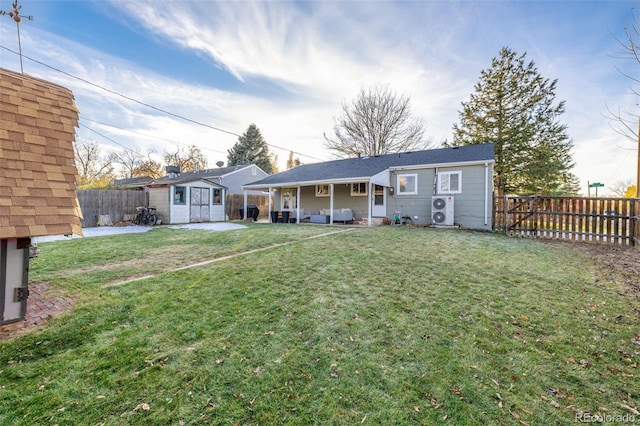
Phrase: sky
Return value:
(153, 76)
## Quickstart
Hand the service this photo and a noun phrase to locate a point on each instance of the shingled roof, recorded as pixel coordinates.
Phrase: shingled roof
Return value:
(354, 169)
(37, 171)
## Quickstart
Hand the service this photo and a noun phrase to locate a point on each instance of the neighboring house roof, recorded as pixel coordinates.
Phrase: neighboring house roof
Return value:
(135, 182)
(364, 168)
(218, 173)
(37, 171)
(166, 181)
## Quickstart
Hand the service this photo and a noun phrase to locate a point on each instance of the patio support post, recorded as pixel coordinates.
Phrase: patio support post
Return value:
(370, 207)
(270, 206)
(244, 213)
(298, 204)
(331, 203)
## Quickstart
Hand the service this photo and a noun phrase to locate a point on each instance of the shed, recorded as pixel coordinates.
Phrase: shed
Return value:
(179, 199)
(37, 178)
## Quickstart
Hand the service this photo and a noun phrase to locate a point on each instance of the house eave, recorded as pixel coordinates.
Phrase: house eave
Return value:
(442, 165)
(307, 183)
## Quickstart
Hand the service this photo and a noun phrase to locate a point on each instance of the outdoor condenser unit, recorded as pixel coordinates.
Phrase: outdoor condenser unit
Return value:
(442, 210)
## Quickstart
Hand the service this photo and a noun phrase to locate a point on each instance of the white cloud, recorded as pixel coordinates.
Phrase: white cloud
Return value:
(316, 54)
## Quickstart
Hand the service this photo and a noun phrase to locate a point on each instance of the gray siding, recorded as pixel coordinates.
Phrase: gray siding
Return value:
(234, 181)
(469, 206)
(341, 199)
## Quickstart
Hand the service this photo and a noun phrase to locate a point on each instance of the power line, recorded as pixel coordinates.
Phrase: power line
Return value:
(109, 139)
(142, 134)
(148, 105)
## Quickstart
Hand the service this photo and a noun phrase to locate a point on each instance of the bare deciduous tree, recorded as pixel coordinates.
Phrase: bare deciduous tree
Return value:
(620, 188)
(377, 122)
(94, 168)
(188, 159)
(627, 123)
(149, 167)
(129, 160)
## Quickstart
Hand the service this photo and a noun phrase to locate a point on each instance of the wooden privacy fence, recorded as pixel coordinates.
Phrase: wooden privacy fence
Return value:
(112, 202)
(614, 221)
(235, 201)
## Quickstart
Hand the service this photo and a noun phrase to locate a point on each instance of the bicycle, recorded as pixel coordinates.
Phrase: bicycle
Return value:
(146, 216)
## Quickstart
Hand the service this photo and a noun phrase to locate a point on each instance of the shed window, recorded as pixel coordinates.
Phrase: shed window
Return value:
(450, 182)
(217, 196)
(408, 184)
(179, 195)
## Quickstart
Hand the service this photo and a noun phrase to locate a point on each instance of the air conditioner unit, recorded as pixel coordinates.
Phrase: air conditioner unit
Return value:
(442, 210)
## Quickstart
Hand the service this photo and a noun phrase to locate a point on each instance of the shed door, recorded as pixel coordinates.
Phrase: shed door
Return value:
(199, 205)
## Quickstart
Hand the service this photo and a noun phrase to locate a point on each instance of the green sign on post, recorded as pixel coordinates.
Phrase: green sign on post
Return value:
(596, 185)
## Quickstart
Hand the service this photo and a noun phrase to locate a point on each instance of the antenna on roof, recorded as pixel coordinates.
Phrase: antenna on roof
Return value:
(15, 15)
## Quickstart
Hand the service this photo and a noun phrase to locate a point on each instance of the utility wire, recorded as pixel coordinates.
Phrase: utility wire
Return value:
(113, 92)
(141, 134)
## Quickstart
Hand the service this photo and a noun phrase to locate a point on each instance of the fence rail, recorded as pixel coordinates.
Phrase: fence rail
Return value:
(113, 202)
(235, 201)
(117, 203)
(613, 221)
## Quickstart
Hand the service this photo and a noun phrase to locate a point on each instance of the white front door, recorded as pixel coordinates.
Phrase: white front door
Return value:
(379, 205)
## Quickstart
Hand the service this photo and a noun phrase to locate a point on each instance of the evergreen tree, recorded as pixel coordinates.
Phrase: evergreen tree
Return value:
(513, 107)
(251, 148)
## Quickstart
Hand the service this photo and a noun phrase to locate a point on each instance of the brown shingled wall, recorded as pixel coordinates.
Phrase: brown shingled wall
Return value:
(37, 172)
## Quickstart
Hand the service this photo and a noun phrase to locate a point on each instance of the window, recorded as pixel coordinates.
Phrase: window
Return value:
(407, 184)
(217, 196)
(322, 190)
(450, 182)
(179, 195)
(359, 189)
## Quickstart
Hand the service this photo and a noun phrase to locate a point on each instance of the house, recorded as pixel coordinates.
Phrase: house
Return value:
(446, 186)
(199, 196)
(37, 178)
(231, 177)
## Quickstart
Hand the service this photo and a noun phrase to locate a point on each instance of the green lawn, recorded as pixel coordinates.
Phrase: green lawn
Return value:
(384, 325)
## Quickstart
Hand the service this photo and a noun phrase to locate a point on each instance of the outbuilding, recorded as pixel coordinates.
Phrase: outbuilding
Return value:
(37, 179)
(187, 199)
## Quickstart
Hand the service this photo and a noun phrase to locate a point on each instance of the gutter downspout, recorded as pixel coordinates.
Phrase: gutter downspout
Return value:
(435, 182)
(486, 192)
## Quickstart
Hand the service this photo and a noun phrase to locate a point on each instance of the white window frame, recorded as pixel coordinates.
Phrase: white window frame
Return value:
(179, 189)
(444, 182)
(356, 189)
(414, 176)
(322, 190)
(213, 196)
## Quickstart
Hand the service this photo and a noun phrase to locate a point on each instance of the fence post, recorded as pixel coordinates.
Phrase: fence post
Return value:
(634, 223)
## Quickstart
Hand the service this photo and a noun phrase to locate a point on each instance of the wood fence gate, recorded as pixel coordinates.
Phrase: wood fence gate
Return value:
(614, 221)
